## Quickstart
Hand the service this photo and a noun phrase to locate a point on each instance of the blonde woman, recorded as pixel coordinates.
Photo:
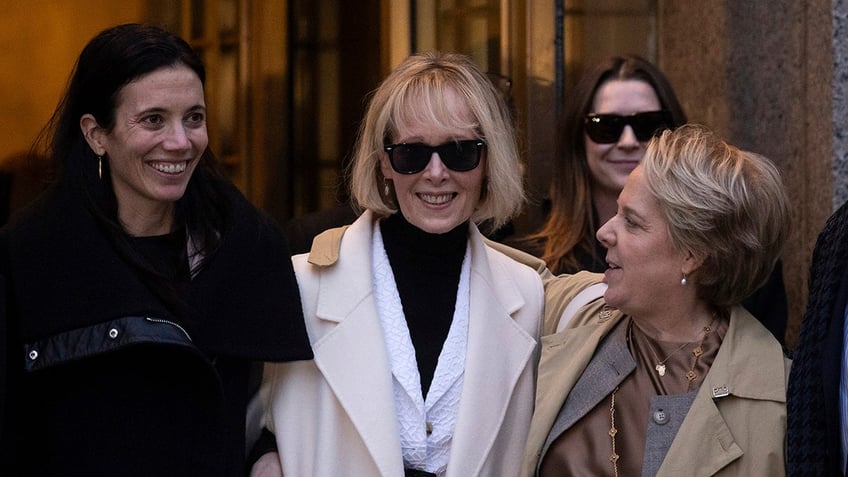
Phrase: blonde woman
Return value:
(659, 370)
(425, 338)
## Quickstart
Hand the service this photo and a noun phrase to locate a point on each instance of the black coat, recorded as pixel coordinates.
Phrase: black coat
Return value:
(814, 441)
(107, 379)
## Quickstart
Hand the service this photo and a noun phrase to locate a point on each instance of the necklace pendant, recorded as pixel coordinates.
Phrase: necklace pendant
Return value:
(660, 369)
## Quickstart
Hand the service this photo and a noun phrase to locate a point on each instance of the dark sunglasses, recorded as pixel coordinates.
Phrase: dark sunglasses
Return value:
(457, 156)
(607, 128)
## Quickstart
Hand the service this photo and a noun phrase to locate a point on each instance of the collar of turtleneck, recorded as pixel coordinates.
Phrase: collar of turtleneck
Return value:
(401, 237)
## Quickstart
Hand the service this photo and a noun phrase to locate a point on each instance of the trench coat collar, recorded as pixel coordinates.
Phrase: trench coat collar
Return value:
(497, 353)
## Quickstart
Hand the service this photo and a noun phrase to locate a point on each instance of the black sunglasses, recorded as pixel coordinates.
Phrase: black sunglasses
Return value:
(457, 156)
(607, 128)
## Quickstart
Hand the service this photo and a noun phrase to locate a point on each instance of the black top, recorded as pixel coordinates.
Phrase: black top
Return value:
(167, 255)
(426, 268)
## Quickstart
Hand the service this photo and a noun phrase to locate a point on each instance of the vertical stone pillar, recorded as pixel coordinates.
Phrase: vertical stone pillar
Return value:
(760, 74)
(840, 102)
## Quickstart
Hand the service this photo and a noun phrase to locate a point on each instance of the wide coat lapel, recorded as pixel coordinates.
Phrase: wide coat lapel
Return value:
(611, 363)
(498, 352)
(355, 342)
(564, 357)
(705, 443)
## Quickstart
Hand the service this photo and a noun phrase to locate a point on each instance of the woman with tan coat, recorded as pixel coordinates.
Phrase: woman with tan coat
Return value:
(654, 368)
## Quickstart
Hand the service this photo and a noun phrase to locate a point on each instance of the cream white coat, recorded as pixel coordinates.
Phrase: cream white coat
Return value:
(335, 416)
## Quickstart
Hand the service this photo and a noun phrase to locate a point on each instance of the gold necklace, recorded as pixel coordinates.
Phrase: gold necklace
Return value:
(612, 432)
(698, 351)
(660, 367)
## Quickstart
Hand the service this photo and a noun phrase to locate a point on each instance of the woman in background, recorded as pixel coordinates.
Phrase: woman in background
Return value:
(616, 108)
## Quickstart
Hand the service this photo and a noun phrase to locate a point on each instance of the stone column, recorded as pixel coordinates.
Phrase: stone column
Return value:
(761, 74)
(840, 102)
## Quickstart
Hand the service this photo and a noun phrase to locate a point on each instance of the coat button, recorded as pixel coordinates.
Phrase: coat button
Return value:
(33, 355)
(660, 416)
(429, 428)
(113, 333)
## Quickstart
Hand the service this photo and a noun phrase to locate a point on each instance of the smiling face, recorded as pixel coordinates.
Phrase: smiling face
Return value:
(611, 164)
(437, 199)
(155, 144)
(643, 262)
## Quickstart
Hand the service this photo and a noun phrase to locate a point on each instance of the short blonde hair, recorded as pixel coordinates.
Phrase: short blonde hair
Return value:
(416, 92)
(721, 203)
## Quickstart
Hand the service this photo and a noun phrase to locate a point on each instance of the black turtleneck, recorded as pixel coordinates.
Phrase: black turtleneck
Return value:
(426, 268)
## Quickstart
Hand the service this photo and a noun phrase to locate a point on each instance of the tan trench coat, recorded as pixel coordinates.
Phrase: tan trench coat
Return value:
(737, 423)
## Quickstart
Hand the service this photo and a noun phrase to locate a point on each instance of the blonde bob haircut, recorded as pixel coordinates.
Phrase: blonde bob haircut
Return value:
(723, 205)
(415, 93)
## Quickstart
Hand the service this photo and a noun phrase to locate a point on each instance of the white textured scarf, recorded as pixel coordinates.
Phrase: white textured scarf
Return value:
(439, 411)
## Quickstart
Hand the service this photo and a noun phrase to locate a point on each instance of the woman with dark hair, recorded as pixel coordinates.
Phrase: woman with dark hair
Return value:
(142, 287)
(616, 107)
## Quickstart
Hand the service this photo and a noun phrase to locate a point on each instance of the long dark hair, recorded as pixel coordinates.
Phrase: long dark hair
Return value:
(110, 61)
(569, 230)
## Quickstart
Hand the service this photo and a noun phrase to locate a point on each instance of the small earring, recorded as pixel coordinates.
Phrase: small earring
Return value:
(386, 190)
(100, 167)
(683, 280)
